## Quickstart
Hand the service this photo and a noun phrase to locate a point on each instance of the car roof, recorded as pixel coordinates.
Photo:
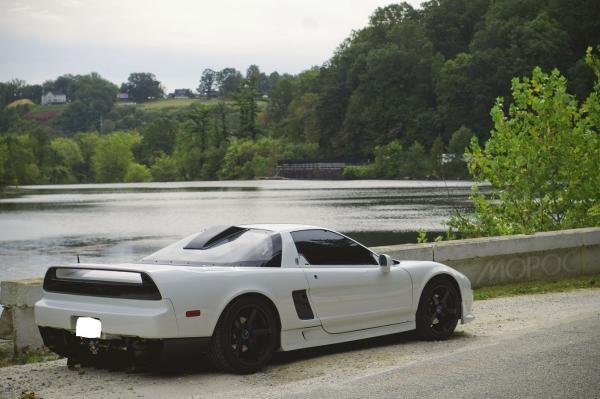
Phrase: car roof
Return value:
(281, 227)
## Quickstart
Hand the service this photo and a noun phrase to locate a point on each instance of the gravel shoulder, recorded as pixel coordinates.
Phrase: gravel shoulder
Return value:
(531, 323)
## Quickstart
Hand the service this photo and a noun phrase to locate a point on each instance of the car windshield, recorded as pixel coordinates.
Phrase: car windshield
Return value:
(242, 247)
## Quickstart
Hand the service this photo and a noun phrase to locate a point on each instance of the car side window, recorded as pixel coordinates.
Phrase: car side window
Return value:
(324, 247)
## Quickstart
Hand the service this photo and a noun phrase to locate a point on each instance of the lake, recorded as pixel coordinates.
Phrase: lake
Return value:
(49, 225)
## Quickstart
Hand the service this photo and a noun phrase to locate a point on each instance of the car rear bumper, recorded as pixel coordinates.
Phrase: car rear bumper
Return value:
(122, 351)
(119, 317)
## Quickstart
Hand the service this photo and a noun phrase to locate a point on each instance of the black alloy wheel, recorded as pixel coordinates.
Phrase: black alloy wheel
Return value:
(439, 310)
(245, 337)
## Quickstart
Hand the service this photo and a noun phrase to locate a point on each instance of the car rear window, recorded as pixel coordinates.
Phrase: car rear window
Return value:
(232, 247)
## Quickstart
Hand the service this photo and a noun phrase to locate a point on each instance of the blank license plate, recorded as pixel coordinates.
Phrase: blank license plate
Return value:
(88, 327)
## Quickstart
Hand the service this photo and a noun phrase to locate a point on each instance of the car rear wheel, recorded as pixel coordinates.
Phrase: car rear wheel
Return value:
(439, 310)
(245, 336)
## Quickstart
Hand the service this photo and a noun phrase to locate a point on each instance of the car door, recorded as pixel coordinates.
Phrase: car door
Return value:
(347, 287)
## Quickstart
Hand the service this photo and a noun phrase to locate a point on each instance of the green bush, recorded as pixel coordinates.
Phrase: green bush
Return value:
(137, 173)
(358, 172)
(113, 156)
(541, 161)
(246, 158)
(165, 169)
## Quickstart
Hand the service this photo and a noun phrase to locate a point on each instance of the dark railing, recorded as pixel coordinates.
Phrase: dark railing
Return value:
(313, 170)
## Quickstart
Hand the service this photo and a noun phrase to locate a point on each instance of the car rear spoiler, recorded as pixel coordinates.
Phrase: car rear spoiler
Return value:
(109, 283)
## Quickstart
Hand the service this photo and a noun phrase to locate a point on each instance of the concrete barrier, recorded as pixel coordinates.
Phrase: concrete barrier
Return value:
(17, 323)
(507, 259)
(486, 261)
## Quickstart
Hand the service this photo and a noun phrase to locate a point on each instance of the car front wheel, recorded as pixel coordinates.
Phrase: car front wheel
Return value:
(245, 336)
(439, 310)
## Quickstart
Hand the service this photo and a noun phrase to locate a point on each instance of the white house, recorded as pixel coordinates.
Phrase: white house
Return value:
(54, 97)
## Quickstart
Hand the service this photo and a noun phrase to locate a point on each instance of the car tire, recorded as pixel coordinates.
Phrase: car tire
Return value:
(245, 337)
(439, 310)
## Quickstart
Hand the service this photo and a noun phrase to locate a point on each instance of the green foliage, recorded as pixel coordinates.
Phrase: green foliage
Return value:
(142, 87)
(456, 167)
(228, 81)
(137, 173)
(359, 172)
(92, 97)
(459, 141)
(158, 137)
(397, 92)
(246, 100)
(87, 143)
(3, 163)
(66, 157)
(165, 168)
(246, 159)
(22, 167)
(416, 162)
(113, 156)
(541, 161)
(207, 82)
(422, 236)
(389, 160)
(435, 157)
(393, 162)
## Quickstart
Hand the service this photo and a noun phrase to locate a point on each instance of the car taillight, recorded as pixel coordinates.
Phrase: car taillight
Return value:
(101, 282)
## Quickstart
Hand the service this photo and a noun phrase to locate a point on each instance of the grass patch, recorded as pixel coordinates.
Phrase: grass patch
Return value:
(173, 104)
(50, 107)
(42, 354)
(537, 287)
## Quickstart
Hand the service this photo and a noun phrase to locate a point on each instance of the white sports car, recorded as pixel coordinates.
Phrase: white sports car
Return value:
(242, 292)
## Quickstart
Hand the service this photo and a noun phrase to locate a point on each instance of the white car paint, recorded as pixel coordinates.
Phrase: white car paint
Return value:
(349, 302)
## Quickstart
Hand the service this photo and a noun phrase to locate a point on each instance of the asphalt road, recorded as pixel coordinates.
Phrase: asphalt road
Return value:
(538, 346)
(562, 361)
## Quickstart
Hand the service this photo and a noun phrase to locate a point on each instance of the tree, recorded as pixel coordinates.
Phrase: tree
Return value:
(3, 161)
(113, 156)
(416, 163)
(228, 81)
(87, 143)
(246, 159)
(158, 137)
(66, 158)
(280, 98)
(246, 100)
(22, 167)
(435, 156)
(456, 167)
(207, 82)
(66, 84)
(253, 76)
(137, 173)
(165, 168)
(541, 160)
(142, 87)
(92, 99)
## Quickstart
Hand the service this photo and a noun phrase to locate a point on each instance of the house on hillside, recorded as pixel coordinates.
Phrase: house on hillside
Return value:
(122, 97)
(54, 97)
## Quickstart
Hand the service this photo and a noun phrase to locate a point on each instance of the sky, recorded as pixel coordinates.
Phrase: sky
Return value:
(174, 39)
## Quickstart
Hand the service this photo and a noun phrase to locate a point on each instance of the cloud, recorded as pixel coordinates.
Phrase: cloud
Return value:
(276, 34)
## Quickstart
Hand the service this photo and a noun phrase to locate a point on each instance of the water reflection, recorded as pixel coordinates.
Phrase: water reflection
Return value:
(46, 225)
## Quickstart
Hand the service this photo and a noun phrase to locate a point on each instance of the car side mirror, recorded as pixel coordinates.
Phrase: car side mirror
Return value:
(385, 262)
